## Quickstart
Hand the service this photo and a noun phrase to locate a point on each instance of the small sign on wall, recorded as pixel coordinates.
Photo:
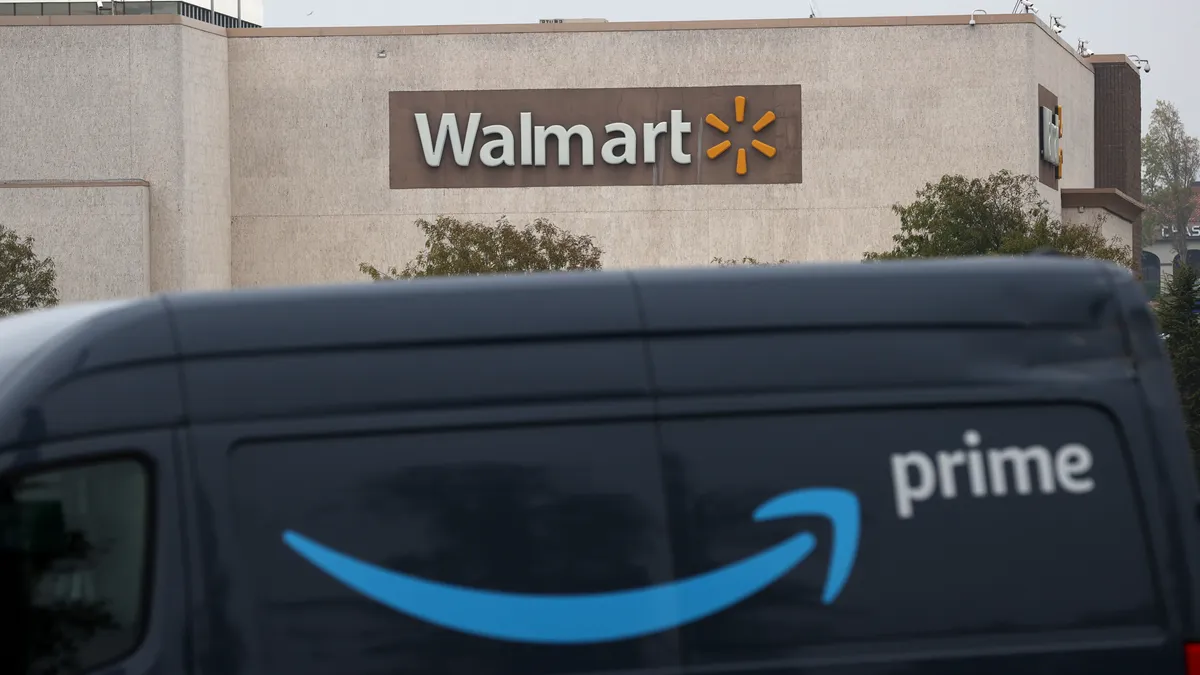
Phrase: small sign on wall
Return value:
(1050, 135)
(1167, 232)
(1052, 132)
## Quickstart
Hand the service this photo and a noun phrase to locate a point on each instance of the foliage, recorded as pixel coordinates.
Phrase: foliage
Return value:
(1002, 214)
(26, 281)
(1170, 163)
(454, 247)
(1181, 325)
(731, 262)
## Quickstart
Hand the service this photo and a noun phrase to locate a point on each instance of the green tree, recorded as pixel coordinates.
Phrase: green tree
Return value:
(1181, 325)
(1002, 214)
(26, 281)
(455, 247)
(732, 262)
(1170, 162)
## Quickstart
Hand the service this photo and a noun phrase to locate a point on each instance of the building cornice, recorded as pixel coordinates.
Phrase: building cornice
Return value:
(1110, 199)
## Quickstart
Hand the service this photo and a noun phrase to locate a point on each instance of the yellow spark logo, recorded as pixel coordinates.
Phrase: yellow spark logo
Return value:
(739, 113)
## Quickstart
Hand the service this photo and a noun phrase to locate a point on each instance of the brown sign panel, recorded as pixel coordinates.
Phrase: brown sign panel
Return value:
(1047, 172)
(678, 136)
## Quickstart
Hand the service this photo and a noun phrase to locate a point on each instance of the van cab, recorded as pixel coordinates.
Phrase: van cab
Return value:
(941, 467)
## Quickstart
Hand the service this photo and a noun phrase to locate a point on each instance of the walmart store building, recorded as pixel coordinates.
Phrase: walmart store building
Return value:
(154, 146)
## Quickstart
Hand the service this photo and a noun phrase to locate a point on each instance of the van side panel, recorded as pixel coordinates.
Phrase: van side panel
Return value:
(1003, 521)
(1174, 476)
(506, 467)
(560, 510)
(414, 378)
(993, 535)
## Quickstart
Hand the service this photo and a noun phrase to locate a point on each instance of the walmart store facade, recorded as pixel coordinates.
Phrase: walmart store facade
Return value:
(173, 150)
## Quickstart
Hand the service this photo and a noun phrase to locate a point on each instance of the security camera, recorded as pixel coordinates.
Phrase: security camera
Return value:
(1029, 6)
(1146, 66)
(978, 11)
(1057, 24)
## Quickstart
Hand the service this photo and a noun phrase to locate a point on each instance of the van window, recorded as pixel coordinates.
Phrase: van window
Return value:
(570, 509)
(73, 543)
(970, 521)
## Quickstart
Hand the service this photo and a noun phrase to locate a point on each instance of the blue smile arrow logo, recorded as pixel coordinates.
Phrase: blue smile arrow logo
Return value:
(605, 617)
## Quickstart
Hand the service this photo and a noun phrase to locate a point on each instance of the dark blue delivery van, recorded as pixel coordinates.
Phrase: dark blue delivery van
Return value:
(962, 466)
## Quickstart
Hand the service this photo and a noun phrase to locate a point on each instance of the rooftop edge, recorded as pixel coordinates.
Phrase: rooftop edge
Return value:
(611, 27)
(457, 29)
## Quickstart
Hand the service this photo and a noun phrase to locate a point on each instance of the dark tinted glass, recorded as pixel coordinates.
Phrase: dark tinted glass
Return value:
(73, 565)
(545, 510)
(934, 559)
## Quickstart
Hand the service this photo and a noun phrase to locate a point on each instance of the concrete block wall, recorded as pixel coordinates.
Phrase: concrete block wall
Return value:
(1112, 226)
(265, 151)
(886, 108)
(1055, 67)
(97, 233)
(205, 202)
(98, 101)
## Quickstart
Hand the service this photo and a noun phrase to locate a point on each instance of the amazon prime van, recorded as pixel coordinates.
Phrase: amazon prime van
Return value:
(921, 468)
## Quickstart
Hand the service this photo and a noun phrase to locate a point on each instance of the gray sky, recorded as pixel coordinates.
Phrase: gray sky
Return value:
(1163, 31)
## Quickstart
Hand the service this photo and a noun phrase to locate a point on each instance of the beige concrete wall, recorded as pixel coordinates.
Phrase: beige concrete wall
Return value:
(203, 256)
(105, 102)
(1112, 226)
(266, 155)
(1056, 68)
(98, 235)
(886, 108)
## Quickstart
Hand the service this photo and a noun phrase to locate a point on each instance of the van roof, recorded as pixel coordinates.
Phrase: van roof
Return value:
(983, 292)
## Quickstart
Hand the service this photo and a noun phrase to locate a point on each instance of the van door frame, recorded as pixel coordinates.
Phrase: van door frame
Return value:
(161, 649)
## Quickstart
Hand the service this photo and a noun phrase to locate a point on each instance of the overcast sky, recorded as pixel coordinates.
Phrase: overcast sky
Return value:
(1164, 31)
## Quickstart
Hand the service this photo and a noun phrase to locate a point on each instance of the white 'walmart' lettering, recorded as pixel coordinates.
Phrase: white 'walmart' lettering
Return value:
(987, 472)
(500, 146)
